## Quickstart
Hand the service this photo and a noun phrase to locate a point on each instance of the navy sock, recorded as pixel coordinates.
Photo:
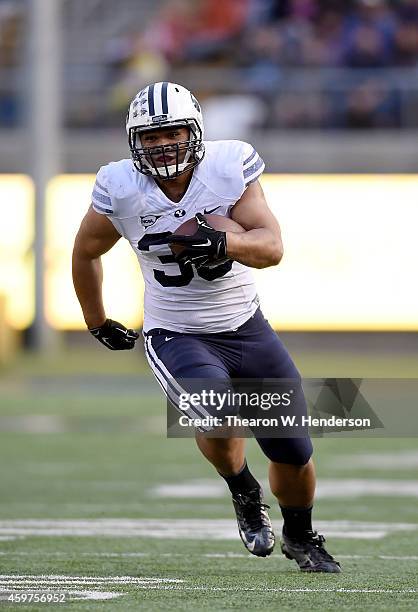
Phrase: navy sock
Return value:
(296, 520)
(242, 482)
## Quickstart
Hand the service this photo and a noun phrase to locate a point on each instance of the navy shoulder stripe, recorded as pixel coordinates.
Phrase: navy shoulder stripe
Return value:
(253, 168)
(254, 172)
(253, 154)
(105, 210)
(102, 198)
(100, 186)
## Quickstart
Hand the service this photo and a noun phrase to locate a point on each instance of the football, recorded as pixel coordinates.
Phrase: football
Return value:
(218, 222)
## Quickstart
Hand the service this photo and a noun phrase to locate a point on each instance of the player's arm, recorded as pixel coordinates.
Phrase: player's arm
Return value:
(261, 244)
(95, 237)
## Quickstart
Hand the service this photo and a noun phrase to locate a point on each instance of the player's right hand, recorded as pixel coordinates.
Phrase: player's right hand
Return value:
(115, 336)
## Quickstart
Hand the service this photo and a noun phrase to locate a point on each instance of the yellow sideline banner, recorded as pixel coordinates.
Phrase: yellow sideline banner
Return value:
(350, 253)
(350, 257)
(17, 286)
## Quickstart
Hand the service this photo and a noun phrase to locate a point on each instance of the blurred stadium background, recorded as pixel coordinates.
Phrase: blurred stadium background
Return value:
(327, 92)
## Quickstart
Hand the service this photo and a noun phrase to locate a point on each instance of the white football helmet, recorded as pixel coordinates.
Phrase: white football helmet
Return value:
(161, 105)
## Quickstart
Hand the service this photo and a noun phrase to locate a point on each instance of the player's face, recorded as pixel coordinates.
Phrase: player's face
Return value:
(169, 138)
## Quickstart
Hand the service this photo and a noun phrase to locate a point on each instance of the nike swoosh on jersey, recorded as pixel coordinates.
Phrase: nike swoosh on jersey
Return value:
(208, 212)
(167, 339)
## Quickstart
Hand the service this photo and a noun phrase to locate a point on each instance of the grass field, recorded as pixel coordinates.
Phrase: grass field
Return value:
(98, 504)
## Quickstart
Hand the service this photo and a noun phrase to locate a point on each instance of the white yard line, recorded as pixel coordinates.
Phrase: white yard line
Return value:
(396, 460)
(41, 578)
(189, 529)
(66, 582)
(263, 589)
(227, 555)
(93, 595)
(327, 488)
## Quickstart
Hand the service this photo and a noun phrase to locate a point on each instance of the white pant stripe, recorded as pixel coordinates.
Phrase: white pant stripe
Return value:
(167, 381)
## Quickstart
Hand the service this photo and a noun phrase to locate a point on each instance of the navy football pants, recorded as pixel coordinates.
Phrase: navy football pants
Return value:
(252, 351)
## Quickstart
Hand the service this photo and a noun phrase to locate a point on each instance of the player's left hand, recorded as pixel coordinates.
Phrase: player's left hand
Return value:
(206, 246)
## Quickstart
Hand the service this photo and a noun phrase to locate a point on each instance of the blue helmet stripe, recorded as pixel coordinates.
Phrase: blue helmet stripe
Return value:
(151, 107)
(164, 98)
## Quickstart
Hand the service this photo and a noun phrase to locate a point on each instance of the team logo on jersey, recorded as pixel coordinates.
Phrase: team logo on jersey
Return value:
(148, 220)
(179, 213)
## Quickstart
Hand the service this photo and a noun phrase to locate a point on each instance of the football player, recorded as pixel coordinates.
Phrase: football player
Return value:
(201, 311)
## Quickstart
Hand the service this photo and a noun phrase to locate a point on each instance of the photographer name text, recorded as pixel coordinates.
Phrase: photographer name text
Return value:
(282, 421)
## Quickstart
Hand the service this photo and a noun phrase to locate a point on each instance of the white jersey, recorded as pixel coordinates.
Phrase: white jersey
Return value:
(178, 298)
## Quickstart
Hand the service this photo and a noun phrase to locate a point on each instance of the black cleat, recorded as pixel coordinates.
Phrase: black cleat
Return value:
(254, 523)
(309, 553)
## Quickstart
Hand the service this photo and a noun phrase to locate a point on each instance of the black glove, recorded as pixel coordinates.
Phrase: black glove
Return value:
(115, 336)
(207, 246)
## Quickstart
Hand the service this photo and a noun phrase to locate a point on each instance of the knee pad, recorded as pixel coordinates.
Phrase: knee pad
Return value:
(296, 451)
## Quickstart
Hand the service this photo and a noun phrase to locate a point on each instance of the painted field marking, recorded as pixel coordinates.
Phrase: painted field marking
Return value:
(397, 460)
(188, 529)
(227, 555)
(284, 590)
(88, 579)
(327, 488)
(169, 584)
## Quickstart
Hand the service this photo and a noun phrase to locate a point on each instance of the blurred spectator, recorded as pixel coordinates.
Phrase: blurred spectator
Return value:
(303, 9)
(171, 28)
(407, 10)
(328, 29)
(215, 27)
(136, 64)
(371, 105)
(266, 42)
(302, 57)
(263, 11)
(199, 30)
(11, 28)
(262, 48)
(11, 21)
(368, 35)
(368, 48)
(296, 110)
(406, 44)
